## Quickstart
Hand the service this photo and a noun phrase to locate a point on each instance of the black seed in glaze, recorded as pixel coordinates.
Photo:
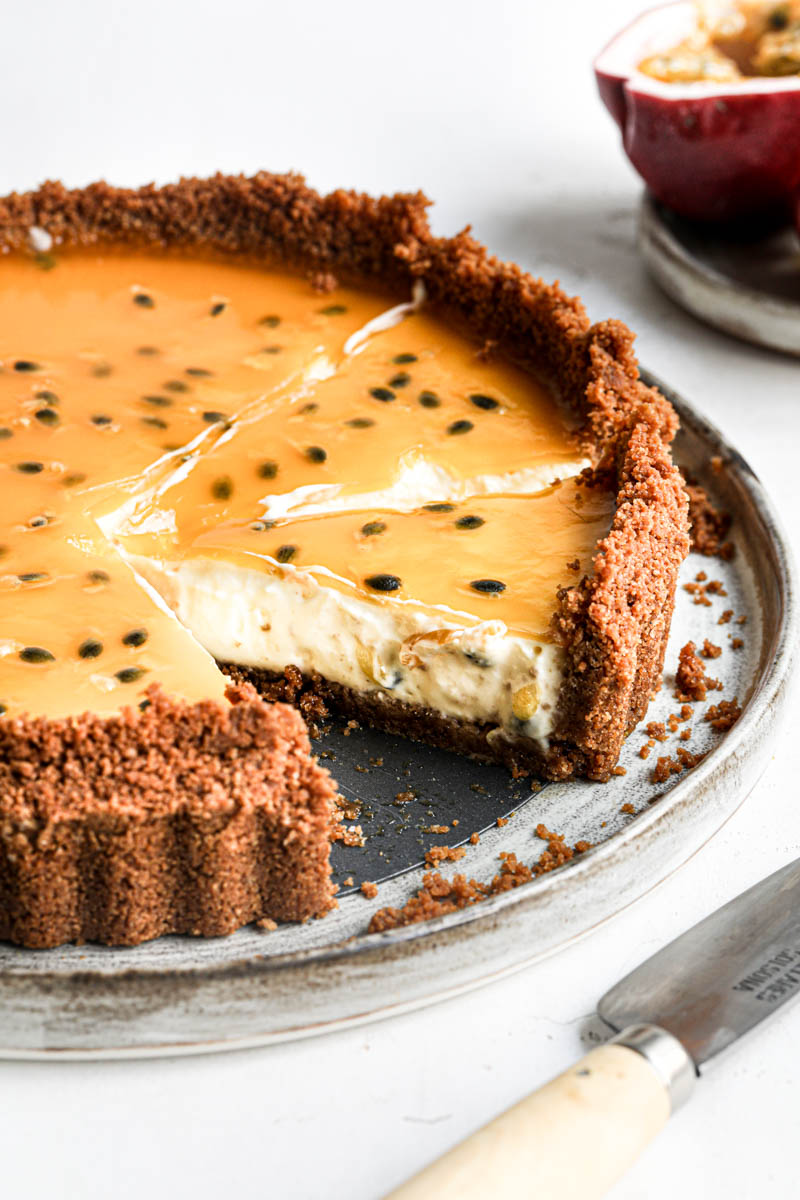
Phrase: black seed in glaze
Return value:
(47, 397)
(485, 402)
(199, 372)
(460, 427)
(360, 422)
(36, 654)
(218, 308)
(401, 359)
(285, 554)
(222, 488)
(439, 506)
(91, 648)
(373, 527)
(213, 418)
(33, 577)
(429, 400)
(488, 586)
(400, 380)
(47, 416)
(316, 454)
(130, 674)
(333, 310)
(177, 385)
(382, 393)
(383, 583)
(271, 322)
(101, 420)
(5, 433)
(157, 401)
(268, 470)
(135, 637)
(25, 364)
(469, 522)
(30, 468)
(144, 300)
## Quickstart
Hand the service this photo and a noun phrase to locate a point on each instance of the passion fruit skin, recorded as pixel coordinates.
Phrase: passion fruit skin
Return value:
(711, 152)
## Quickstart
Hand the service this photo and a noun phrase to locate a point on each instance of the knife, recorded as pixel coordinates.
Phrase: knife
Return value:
(579, 1133)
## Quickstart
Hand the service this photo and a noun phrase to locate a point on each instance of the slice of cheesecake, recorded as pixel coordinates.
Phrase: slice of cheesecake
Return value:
(243, 423)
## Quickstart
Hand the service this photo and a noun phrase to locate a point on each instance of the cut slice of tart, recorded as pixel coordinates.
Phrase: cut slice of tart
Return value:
(244, 423)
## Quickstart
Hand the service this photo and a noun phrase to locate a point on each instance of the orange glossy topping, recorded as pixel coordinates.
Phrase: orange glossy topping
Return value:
(174, 399)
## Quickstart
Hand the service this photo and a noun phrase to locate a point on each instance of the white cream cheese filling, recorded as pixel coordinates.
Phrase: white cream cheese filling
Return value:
(478, 673)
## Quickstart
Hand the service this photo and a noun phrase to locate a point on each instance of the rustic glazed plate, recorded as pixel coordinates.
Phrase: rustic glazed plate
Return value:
(181, 995)
(749, 289)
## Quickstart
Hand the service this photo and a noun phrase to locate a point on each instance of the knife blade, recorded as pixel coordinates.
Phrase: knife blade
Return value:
(577, 1135)
(723, 976)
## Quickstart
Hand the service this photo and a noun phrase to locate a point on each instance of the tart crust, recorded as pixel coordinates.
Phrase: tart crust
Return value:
(226, 817)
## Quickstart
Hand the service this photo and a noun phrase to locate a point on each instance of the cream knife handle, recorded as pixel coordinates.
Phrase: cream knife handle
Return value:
(574, 1137)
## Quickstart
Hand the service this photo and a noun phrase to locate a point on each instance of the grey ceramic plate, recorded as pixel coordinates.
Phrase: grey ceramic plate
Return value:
(750, 289)
(180, 995)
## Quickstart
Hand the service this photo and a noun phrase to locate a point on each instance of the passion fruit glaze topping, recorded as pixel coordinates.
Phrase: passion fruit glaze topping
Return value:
(159, 406)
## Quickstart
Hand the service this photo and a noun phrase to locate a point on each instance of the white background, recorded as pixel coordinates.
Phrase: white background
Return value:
(490, 108)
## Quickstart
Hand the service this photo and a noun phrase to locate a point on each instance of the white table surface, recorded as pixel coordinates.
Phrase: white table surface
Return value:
(490, 108)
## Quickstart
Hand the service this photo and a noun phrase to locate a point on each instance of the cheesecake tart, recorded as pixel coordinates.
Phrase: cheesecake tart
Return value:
(263, 448)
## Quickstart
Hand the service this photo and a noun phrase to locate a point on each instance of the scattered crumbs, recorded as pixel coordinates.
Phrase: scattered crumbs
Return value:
(362, 770)
(619, 771)
(710, 650)
(405, 797)
(479, 788)
(715, 587)
(455, 821)
(701, 577)
(349, 727)
(725, 617)
(723, 715)
(736, 643)
(436, 829)
(474, 839)
(686, 712)
(644, 752)
(685, 735)
(742, 620)
(439, 896)
(438, 854)
(717, 464)
(352, 835)
(368, 889)
(657, 730)
(691, 678)
(708, 525)
(683, 760)
(501, 821)
(376, 762)
(628, 809)
(266, 925)
(673, 722)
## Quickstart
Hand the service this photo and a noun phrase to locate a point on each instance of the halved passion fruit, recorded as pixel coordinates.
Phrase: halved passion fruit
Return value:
(707, 97)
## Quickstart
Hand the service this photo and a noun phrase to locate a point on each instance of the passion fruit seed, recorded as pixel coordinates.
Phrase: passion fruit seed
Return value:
(373, 527)
(177, 385)
(47, 416)
(99, 577)
(101, 420)
(3, 710)
(148, 351)
(489, 586)
(5, 433)
(199, 372)
(47, 397)
(360, 422)
(400, 380)
(271, 349)
(91, 648)
(316, 454)
(130, 674)
(382, 393)
(271, 322)
(485, 402)
(285, 554)
(102, 370)
(261, 526)
(38, 522)
(441, 506)
(469, 522)
(268, 469)
(222, 488)
(73, 478)
(333, 310)
(158, 401)
(400, 359)
(155, 422)
(135, 637)
(36, 654)
(25, 364)
(383, 583)
(218, 308)
(460, 427)
(212, 417)
(429, 400)
(33, 577)
(308, 408)
(30, 468)
(144, 300)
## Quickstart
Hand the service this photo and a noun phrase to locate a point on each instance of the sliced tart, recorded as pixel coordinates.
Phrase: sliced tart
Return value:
(299, 439)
